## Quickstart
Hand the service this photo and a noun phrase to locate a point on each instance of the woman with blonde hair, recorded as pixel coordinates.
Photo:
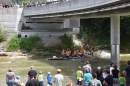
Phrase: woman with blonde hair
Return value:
(10, 77)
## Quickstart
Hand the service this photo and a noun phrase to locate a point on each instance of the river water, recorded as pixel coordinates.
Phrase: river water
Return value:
(22, 66)
(69, 67)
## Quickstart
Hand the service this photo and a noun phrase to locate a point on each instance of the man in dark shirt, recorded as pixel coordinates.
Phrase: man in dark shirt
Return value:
(32, 81)
(127, 73)
(108, 81)
(32, 72)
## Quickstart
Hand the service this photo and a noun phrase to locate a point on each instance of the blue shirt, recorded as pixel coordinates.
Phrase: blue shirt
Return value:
(127, 69)
(88, 77)
(49, 79)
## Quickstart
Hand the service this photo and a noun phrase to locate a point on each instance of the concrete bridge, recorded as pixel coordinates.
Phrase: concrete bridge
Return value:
(67, 15)
(71, 11)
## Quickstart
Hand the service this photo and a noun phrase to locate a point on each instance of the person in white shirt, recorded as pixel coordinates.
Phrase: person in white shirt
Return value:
(111, 68)
(58, 78)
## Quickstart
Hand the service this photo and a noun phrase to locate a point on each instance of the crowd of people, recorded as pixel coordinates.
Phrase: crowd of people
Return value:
(29, 4)
(67, 54)
(85, 77)
(107, 77)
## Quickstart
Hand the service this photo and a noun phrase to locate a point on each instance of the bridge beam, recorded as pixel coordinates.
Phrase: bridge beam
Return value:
(72, 23)
(115, 40)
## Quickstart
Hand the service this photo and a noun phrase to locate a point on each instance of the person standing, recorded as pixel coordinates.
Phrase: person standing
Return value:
(87, 66)
(40, 79)
(10, 77)
(79, 75)
(127, 73)
(111, 68)
(108, 81)
(49, 79)
(58, 78)
(32, 81)
(87, 77)
(115, 74)
(122, 80)
(32, 72)
(94, 81)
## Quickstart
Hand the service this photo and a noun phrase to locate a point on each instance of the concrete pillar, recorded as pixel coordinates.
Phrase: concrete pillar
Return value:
(72, 23)
(115, 40)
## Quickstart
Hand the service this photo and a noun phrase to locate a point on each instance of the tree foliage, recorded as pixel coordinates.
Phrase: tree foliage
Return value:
(98, 30)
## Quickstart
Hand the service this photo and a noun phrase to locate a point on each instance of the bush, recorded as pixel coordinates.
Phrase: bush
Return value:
(32, 42)
(2, 34)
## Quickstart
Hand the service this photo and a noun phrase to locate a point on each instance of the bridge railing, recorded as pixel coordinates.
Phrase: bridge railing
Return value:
(68, 6)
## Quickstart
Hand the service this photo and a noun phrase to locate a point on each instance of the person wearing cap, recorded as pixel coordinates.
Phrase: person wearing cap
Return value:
(33, 72)
(79, 75)
(10, 77)
(58, 78)
(17, 81)
(49, 79)
(32, 81)
(40, 78)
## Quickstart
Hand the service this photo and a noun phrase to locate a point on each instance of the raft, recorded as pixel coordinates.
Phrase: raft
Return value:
(57, 59)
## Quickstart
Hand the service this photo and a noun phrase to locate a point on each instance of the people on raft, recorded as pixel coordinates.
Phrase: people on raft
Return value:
(76, 54)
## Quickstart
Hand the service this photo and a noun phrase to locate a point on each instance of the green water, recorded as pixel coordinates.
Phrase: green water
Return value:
(22, 66)
(68, 67)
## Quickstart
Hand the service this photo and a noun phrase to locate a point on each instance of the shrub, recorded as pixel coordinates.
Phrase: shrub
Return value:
(32, 42)
(2, 34)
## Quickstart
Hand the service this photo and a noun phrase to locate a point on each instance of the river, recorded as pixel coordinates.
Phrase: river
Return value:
(69, 67)
(22, 66)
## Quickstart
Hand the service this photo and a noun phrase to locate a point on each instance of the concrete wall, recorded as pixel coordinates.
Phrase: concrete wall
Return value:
(49, 38)
(10, 20)
(67, 6)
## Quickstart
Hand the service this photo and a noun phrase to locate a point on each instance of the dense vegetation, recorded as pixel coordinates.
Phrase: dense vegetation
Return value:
(2, 34)
(34, 44)
(97, 31)
(30, 43)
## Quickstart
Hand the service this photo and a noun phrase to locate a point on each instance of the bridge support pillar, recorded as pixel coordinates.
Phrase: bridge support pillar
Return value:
(115, 40)
(72, 23)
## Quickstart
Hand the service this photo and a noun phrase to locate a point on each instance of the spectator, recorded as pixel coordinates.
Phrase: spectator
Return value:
(87, 77)
(127, 73)
(79, 75)
(58, 78)
(115, 74)
(87, 66)
(17, 81)
(108, 81)
(49, 79)
(99, 73)
(32, 81)
(94, 81)
(104, 74)
(32, 72)
(40, 78)
(122, 80)
(111, 68)
(10, 77)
